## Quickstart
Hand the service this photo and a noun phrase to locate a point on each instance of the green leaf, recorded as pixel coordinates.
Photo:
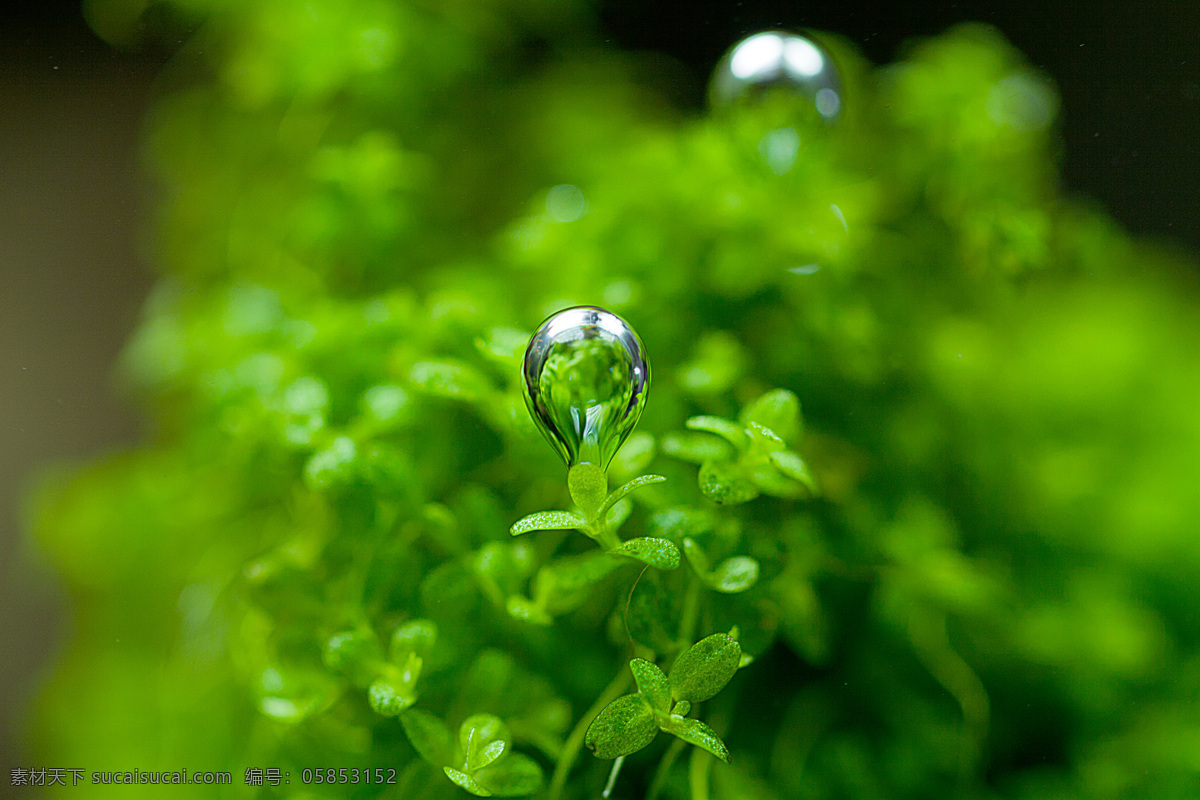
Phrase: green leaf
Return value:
(635, 455)
(566, 584)
(466, 781)
(658, 553)
(677, 523)
(696, 732)
(734, 575)
(696, 557)
(429, 736)
(705, 667)
(794, 467)
(652, 684)
(483, 738)
(523, 608)
(651, 609)
(355, 654)
(388, 699)
(729, 431)
(449, 379)
(516, 775)
(636, 483)
(696, 447)
(723, 483)
(414, 636)
(588, 486)
(333, 466)
(503, 346)
(777, 410)
(548, 521)
(764, 440)
(395, 690)
(618, 514)
(625, 726)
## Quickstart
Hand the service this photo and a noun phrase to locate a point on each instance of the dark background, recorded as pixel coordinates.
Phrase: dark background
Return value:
(72, 279)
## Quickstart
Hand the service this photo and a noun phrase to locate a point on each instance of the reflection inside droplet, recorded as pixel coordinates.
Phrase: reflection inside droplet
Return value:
(586, 378)
(777, 60)
(779, 148)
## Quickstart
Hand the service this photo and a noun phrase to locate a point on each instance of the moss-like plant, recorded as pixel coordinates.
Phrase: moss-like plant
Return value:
(967, 569)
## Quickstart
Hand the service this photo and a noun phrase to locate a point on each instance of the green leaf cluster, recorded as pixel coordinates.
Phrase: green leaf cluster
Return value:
(663, 701)
(357, 227)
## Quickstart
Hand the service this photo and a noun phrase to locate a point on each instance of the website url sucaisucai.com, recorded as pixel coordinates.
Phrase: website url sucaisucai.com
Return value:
(138, 777)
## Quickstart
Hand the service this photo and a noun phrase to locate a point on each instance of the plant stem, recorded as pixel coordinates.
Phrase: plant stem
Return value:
(664, 769)
(698, 769)
(691, 611)
(574, 742)
(618, 762)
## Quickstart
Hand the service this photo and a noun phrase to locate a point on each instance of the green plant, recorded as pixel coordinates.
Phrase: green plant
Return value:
(361, 222)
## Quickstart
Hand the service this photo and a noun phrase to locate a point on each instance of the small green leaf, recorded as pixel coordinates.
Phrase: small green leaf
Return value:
(516, 775)
(696, 732)
(395, 690)
(704, 668)
(658, 553)
(696, 557)
(566, 584)
(548, 521)
(635, 455)
(588, 486)
(618, 514)
(429, 736)
(651, 609)
(681, 709)
(794, 467)
(625, 726)
(355, 654)
(387, 699)
(636, 483)
(333, 466)
(723, 483)
(466, 781)
(777, 410)
(449, 379)
(414, 636)
(729, 431)
(763, 439)
(503, 346)
(523, 608)
(652, 684)
(483, 738)
(734, 575)
(696, 447)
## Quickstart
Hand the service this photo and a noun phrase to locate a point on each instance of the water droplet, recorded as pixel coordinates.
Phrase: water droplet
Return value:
(777, 60)
(586, 377)
(565, 203)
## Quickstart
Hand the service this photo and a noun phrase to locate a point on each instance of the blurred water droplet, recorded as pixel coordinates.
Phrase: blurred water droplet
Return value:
(565, 203)
(777, 60)
(586, 377)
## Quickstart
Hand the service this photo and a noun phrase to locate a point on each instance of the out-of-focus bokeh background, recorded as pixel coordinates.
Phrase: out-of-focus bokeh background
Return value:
(72, 276)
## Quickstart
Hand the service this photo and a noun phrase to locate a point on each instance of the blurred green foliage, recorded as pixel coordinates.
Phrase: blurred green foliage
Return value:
(993, 596)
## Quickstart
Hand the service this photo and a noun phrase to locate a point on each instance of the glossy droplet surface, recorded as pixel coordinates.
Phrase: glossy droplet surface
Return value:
(777, 60)
(586, 378)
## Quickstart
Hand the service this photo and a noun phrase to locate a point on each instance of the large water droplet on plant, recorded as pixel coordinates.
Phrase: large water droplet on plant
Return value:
(777, 60)
(586, 377)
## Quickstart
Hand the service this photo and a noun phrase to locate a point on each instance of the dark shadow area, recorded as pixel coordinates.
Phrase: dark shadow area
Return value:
(71, 283)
